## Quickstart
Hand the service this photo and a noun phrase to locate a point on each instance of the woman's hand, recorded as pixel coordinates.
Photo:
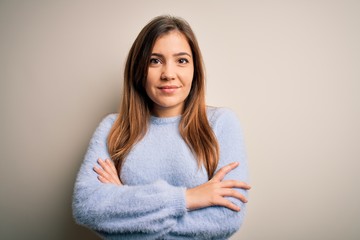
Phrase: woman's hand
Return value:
(213, 192)
(107, 173)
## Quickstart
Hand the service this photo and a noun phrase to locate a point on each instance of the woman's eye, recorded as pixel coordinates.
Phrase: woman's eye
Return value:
(155, 61)
(183, 60)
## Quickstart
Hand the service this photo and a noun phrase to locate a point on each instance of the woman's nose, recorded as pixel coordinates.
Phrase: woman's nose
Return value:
(168, 73)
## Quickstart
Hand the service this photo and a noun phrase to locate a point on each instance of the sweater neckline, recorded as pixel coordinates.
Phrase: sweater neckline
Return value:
(165, 120)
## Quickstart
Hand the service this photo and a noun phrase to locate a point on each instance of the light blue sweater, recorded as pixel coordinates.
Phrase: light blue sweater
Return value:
(156, 173)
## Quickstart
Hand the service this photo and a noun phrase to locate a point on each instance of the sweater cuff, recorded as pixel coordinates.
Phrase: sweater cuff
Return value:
(178, 201)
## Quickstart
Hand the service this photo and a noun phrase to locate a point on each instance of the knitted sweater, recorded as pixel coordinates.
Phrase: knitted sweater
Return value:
(157, 171)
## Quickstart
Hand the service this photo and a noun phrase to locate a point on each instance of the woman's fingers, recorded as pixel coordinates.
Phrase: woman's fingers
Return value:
(103, 180)
(112, 171)
(234, 184)
(107, 173)
(101, 173)
(219, 176)
(227, 189)
(229, 192)
(215, 191)
(104, 165)
(111, 166)
(228, 204)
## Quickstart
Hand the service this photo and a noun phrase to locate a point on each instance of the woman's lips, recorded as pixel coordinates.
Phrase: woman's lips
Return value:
(168, 89)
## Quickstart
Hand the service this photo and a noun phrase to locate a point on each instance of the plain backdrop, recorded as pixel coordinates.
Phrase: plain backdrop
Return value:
(289, 69)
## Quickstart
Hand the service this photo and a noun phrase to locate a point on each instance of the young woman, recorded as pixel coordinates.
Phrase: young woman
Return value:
(167, 166)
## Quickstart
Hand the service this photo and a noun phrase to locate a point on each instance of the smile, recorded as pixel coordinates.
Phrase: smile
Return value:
(169, 88)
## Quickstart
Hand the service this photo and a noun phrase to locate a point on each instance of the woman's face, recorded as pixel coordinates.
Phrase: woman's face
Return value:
(170, 74)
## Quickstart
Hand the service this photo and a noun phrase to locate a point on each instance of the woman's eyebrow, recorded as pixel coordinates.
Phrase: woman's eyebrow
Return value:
(157, 55)
(182, 53)
(175, 55)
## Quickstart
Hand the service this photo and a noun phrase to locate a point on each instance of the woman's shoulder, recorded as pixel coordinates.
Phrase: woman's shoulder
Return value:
(224, 121)
(109, 119)
(107, 122)
(216, 114)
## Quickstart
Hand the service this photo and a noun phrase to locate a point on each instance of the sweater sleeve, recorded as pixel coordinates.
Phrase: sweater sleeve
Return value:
(111, 210)
(218, 222)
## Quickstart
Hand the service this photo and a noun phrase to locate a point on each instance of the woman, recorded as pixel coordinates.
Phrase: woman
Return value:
(167, 166)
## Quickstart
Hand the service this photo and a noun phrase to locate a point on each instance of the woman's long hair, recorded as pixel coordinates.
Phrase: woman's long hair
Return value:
(133, 119)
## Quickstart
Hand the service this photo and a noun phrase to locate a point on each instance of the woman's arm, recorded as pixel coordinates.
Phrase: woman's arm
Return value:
(112, 209)
(211, 193)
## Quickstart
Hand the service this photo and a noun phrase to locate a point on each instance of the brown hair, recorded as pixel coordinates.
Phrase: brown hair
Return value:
(129, 126)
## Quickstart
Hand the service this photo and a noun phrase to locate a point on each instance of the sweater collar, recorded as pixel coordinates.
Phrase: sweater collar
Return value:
(165, 120)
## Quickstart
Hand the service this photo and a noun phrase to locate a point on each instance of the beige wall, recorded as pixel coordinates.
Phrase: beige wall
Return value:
(290, 69)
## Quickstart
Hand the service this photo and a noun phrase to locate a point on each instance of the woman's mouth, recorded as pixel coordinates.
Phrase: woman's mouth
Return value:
(168, 88)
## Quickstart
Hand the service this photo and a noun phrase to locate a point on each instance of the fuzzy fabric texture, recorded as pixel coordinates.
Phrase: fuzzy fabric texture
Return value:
(156, 174)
